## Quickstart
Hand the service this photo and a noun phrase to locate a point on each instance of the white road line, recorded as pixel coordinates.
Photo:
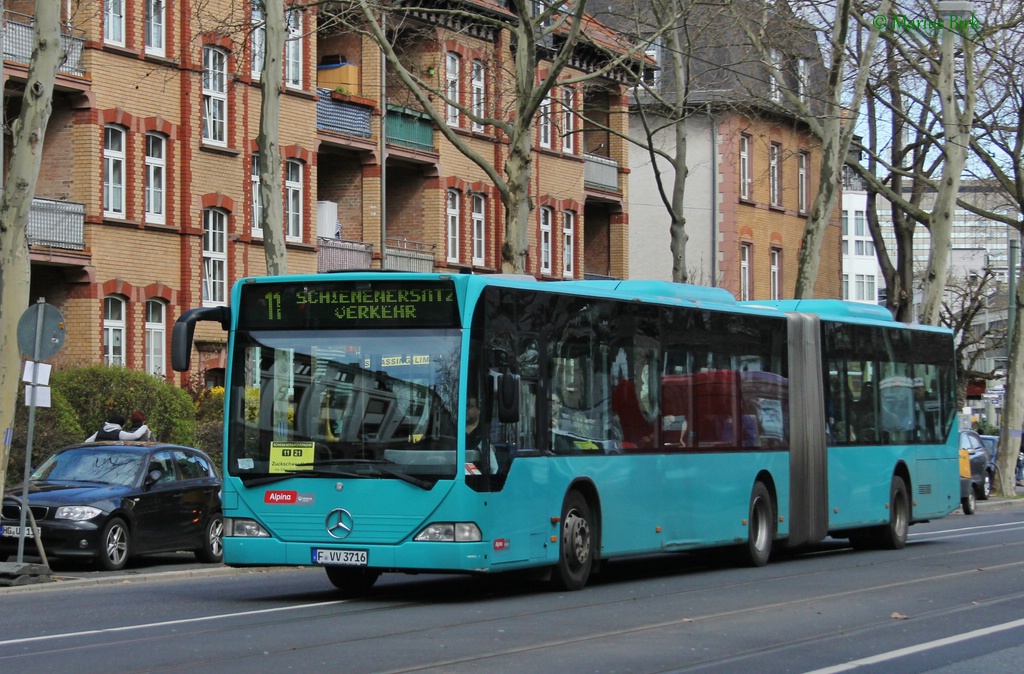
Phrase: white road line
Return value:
(911, 650)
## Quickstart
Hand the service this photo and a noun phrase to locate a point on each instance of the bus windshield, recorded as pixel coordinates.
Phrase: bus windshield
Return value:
(355, 403)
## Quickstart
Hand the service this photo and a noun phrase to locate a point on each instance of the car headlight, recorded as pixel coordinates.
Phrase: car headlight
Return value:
(458, 532)
(77, 513)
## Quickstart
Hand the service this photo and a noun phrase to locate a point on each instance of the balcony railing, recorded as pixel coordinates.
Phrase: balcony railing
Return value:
(601, 172)
(406, 255)
(19, 38)
(56, 224)
(342, 116)
(410, 129)
(337, 254)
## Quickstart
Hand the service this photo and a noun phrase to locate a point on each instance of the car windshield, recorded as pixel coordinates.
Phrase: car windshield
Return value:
(108, 465)
(303, 400)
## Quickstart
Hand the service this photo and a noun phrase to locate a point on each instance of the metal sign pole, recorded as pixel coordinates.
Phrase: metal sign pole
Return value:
(31, 428)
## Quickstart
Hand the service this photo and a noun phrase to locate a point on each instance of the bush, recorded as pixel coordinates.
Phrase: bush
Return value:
(54, 427)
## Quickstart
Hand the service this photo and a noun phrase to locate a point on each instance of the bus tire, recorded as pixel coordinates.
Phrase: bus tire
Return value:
(893, 536)
(576, 544)
(760, 526)
(352, 582)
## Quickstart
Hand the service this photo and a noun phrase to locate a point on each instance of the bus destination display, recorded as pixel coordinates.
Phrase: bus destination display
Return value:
(348, 304)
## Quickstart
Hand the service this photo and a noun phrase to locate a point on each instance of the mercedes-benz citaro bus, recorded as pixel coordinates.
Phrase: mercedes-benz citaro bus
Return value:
(411, 422)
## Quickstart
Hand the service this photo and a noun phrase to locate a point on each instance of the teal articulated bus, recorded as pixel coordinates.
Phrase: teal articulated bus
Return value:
(396, 422)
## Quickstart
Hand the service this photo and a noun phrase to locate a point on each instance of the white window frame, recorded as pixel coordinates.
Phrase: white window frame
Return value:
(155, 30)
(479, 229)
(258, 41)
(293, 200)
(451, 76)
(774, 186)
(113, 22)
(568, 120)
(256, 197)
(156, 179)
(215, 96)
(801, 176)
(776, 273)
(655, 51)
(479, 93)
(802, 80)
(293, 49)
(744, 166)
(114, 328)
(215, 257)
(745, 252)
(546, 216)
(774, 90)
(156, 337)
(114, 171)
(544, 123)
(846, 286)
(452, 226)
(568, 236)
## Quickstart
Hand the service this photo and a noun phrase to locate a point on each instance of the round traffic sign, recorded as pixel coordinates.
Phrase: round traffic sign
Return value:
(45, 322)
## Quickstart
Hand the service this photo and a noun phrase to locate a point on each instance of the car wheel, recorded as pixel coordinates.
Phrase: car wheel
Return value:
(212, 551)
(576, 547)
(986, 487)
(115, 544)
(969, 503)
(352, 582)
(760, 527)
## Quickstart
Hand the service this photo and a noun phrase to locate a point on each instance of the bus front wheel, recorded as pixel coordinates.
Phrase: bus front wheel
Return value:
(894, 535)
(576, 544)
(351, 582)
(760, 526)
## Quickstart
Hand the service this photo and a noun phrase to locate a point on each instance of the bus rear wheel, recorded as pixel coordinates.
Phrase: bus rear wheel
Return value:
(760, 526)
(351, 582)
(576, 544)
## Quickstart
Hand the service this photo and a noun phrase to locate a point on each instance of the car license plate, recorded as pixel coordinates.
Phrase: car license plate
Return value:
(15, 532)
(341, 557)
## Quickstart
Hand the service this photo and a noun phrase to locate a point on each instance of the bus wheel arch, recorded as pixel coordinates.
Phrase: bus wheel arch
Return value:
(579, 537)
(762, 521)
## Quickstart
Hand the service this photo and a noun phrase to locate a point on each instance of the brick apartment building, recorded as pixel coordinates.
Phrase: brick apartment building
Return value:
(147, 200)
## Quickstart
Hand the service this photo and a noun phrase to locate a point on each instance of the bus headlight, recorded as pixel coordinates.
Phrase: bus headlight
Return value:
(244, 528)
(448, 532)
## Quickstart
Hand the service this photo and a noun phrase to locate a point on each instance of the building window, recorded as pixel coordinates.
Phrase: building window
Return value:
(776, 273)
(156, 166)
(864, 288)
(113, 330)
(113, 22)
(478, 94)
(293, 200)
(113, 171)
(451, 74)
(774, 186)
(452, 216)
(656, 52)
(257, 198)
(568, 121)
(155, 27)
(801, 178)
(215, 259)
(215, 95)
(479, 229)
(744, 167)
(293, 49)
(258, 41)
(546, 216)
(156, 338)
(774, 91)
(846, 286)
(846, 234)
(544, 120)
(568, 233)
(802, 80)
(863, 245)
(744, 271)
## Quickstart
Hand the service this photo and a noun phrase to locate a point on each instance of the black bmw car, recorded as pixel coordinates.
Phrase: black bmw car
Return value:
(109, 501)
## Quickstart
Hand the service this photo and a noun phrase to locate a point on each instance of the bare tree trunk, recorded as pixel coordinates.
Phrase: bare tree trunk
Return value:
(272, 218)
(517, 205)
(28, 131)
(1010, 441)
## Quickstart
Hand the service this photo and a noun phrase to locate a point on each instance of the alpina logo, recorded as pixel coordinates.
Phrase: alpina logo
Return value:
(281, 497)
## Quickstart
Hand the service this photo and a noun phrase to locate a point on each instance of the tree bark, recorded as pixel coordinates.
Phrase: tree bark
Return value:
(269, 162)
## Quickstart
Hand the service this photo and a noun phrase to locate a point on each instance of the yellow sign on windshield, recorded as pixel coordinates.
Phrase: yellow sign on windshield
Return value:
(287, 456)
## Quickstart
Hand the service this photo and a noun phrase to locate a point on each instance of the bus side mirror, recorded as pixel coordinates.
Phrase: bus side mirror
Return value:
(507, 398)
(185, 328)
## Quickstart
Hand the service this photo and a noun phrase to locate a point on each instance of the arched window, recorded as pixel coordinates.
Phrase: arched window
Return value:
(215, 95)
(479, 229)
(156, 168)
(451, 74)
(113, 330)
(293, 200)
(478, 93)
(156, 337)
(452, 215)
(215, 259)
(113, 171)
(546, 216)
(568, 234)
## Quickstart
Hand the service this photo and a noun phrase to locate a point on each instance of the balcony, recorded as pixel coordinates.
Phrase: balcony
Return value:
(56, 224)
(601, 172)
(339, 254)
(342, 116)
(406, 255)
(410, 129)
(19, 38)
